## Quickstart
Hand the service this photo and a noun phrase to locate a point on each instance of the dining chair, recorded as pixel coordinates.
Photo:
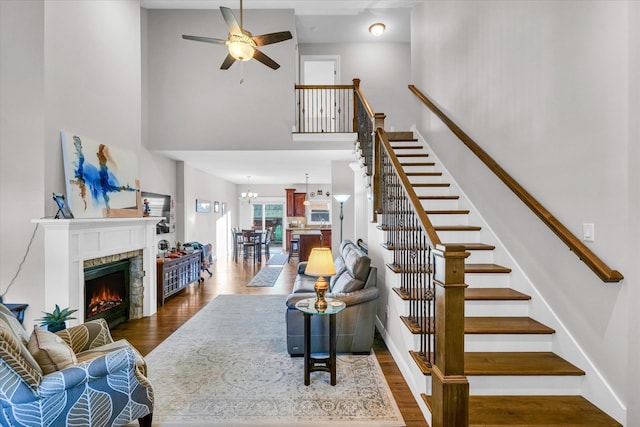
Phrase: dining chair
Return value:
(251, 245)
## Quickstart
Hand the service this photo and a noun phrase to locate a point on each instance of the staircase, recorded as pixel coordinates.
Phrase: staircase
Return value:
(514, 377)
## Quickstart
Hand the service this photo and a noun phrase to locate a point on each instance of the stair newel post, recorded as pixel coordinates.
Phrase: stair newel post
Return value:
(376, 179)
(450, 386)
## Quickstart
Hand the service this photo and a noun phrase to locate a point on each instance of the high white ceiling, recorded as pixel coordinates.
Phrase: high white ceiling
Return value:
(317, 21)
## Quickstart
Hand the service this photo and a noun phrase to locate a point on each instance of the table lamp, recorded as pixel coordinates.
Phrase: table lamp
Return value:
(320, 264)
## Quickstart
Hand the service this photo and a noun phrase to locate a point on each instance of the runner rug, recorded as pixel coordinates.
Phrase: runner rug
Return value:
(267, 276)
(278, 259)
(229, 366)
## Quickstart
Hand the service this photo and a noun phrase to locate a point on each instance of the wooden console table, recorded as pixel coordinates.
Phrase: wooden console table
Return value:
(175, 274)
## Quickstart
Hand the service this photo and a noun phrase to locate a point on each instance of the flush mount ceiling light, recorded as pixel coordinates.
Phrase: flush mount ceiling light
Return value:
(377, 29)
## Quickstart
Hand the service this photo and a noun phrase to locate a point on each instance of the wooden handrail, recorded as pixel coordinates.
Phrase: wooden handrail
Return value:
(324, 86)
(356, 88)
(417, 206)
(585, 254)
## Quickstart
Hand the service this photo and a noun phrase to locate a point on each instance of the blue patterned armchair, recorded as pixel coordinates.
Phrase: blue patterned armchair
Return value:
(76, 377)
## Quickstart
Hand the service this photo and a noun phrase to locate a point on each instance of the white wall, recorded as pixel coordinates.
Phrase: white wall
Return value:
(195, 105)
(384, 70)
(632, 269)
(543, 88)
(22, 158)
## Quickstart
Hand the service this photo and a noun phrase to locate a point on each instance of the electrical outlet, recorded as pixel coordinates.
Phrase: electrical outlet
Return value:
(588, 232)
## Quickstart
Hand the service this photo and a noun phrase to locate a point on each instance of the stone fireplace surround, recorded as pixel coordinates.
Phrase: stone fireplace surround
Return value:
(69, 243)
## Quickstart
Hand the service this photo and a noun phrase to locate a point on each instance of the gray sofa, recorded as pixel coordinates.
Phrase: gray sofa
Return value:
(355, 284)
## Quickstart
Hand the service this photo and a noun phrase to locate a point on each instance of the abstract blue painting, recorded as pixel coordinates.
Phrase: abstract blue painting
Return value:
(98, 177)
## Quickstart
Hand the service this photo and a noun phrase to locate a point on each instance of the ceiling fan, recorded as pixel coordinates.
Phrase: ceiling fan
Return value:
(241, 44)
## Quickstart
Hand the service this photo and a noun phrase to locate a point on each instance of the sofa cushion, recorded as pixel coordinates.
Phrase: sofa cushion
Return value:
(17, 357)
(50, 351)
(345, 283)
(358, 264)
(91, 334)
(111, 347)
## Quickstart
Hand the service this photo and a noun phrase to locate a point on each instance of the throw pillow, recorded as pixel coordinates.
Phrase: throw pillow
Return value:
(16, 355)
(50, 351)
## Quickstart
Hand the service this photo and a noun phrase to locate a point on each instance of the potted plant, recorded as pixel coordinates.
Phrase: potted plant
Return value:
(56, 320)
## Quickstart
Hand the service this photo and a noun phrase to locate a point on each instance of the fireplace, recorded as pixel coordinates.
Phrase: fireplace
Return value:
(72, 246)
(106, 292)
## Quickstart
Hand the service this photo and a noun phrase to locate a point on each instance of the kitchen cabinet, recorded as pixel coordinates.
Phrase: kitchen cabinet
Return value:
(326, 237)
(295, 203)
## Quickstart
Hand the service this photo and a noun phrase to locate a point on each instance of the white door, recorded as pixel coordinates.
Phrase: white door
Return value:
(320, 105)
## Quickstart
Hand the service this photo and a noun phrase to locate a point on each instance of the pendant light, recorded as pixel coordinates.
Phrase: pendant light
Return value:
(306, 190)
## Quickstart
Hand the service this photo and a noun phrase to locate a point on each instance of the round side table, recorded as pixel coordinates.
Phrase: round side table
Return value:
(324, 364)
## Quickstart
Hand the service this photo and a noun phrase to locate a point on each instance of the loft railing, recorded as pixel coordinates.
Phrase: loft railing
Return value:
(324, 108)
(602, 270)
(431, 280)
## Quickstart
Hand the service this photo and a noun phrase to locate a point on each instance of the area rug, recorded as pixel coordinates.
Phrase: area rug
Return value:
(278, 259)
(267, 276)
(229, 366)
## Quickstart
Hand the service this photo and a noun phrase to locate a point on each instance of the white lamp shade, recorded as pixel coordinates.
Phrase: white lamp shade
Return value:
(341, 198)
(320, 263)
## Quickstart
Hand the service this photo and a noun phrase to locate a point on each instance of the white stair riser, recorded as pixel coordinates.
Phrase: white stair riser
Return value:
(432, 191)
(425, 179)
(459, 236)
(525, 385)
(439, 204)
(487, 280)
(508, 342)
(496, 308)
(480, 257)
(449, 219)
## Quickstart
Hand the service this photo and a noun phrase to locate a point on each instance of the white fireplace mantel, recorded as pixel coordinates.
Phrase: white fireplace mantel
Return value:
(70, 242)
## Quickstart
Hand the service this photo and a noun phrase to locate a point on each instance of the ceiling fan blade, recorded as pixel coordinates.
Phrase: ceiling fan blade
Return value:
(230, 19)
(204, 39)
(228, 62)
(271, 38)
(265, 60)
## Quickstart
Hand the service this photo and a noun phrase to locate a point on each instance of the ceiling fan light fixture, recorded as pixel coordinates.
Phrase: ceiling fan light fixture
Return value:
(241, 47)
(377, 29)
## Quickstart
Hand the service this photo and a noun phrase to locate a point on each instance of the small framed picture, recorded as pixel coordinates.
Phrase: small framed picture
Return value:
(216, 207)
(63, 210)
(224, 208)
(203, 206)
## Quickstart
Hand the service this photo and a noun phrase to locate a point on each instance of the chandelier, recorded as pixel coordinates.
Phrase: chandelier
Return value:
(248, 195)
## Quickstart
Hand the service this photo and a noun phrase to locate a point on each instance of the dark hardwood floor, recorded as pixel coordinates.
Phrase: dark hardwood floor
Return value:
(231, 278)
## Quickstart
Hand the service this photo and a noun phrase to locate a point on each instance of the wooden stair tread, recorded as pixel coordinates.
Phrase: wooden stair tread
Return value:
(418, 164)
(438, 197)
(518, 363)
(494, 294)
(447, 212)
(474, 246)
(406, 147)
(474, 294)
(431, 184)
(530, 411)
(412, 155)
(511, 363)
(488, 325)
(424, 174)
(486, 268)
(504, 325)
(457, 228)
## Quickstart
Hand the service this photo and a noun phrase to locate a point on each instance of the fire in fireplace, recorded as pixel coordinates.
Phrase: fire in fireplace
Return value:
(106, 290)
